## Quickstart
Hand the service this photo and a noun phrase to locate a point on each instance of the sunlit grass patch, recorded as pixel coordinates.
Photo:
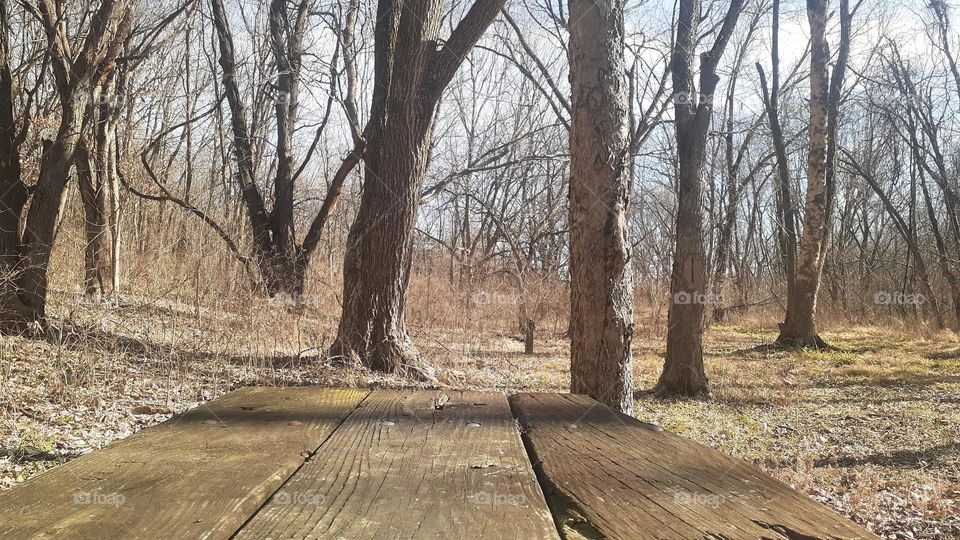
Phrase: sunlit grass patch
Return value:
(884, 375)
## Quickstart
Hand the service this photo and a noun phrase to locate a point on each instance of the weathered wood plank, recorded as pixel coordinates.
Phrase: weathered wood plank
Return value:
(410, 464)
(609, 475)
(198, 475)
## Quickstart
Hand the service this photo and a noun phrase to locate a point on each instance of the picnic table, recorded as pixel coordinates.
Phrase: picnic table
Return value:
(354, 463)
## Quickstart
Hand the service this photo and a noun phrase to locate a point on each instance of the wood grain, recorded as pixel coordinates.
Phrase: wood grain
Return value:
(414, 464)
(198, 475)
(607, 475)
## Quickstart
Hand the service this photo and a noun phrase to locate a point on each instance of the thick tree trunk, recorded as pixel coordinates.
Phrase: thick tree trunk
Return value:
(376, 267)
(410, 75)
(601, 279)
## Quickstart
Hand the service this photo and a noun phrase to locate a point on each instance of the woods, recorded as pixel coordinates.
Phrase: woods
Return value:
(679, 172)
(695, 210)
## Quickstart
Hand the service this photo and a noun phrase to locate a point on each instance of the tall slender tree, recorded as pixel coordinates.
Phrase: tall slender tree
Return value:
(683, 371)
(799, 327)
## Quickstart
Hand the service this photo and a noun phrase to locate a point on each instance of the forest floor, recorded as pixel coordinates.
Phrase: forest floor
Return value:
(871, 429)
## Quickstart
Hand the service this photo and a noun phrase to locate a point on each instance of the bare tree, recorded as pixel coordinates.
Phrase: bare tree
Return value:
(601, 280)
(78, 76)
(799, 327)
(683, 371)
(410, 75)
(281, 260)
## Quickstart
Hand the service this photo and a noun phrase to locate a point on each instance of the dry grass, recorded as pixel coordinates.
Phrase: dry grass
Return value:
(871, 429)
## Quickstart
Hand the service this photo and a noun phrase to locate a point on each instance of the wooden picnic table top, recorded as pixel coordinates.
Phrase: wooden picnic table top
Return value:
(356, 463)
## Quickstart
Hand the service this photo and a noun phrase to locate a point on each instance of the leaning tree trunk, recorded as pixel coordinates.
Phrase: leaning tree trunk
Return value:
(40, 227)
(683, 371)
(243, 152)
(409, 78)
(601, 281)
(373, 326)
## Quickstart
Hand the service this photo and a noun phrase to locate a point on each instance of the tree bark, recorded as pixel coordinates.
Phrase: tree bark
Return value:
(601, 277)
(799, 328)
(683, 371)
(77, 77)
(410, 75)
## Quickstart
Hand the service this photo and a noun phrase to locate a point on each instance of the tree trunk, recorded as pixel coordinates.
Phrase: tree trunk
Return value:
(683, 371)
(601, 278)
(243, 150)
(13, 192)
(93, 196)
(799, 328)
(377, 261)
(528, 340)
(40, 229)
(410, 75)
